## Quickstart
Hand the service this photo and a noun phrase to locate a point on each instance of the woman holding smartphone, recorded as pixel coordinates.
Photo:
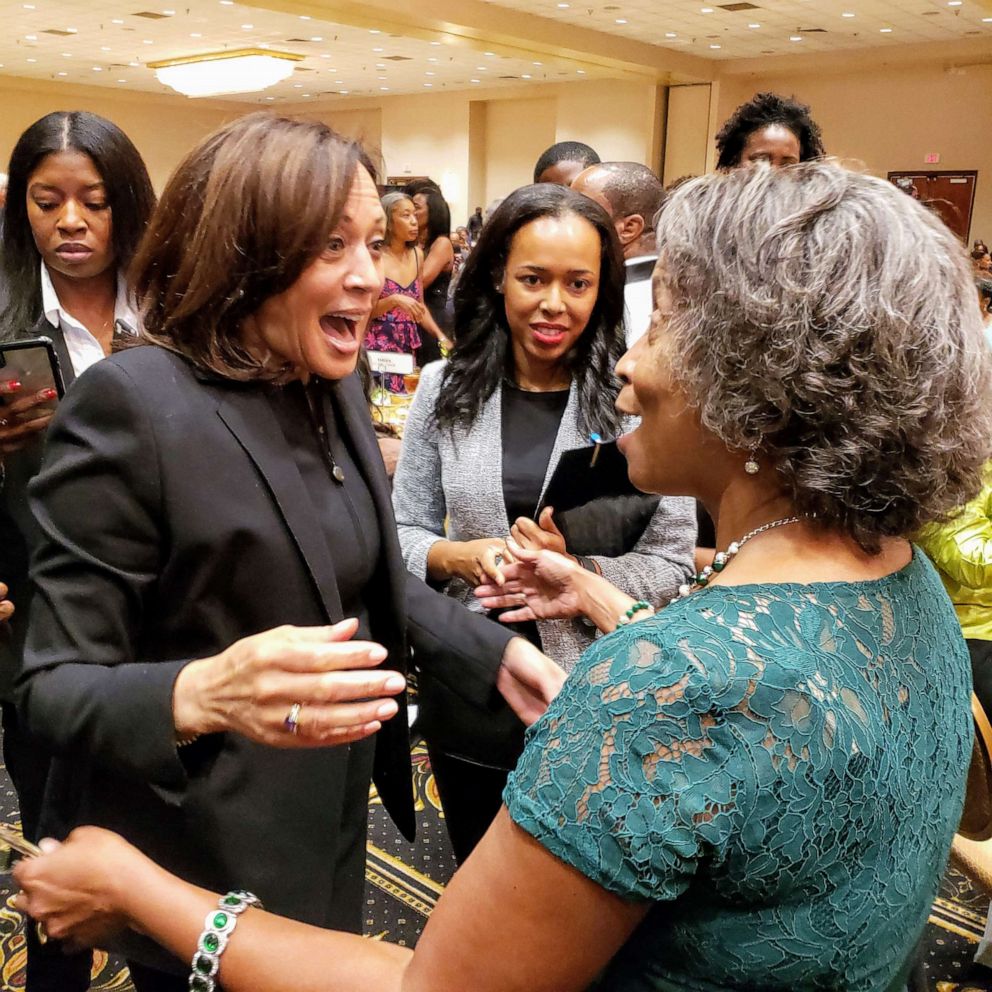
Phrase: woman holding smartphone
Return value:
(79, 198)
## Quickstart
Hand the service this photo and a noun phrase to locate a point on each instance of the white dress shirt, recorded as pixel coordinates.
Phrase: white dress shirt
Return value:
(84, 349)
(637, 297)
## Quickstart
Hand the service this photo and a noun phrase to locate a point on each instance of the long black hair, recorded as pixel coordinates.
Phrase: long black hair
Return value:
(483, 356)
(438, 215)
(761, 111)
(129, 195)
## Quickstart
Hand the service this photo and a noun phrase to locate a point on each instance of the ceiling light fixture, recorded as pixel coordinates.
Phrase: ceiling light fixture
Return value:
(714, 46)
(954, 3)
(245, 70)
(754, 26)
(670, 34)
(621, 20)
(796, 37)
(847, 13)
(117, 20)
(885, 30)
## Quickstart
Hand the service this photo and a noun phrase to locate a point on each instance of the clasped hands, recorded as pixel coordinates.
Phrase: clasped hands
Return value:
(485, 560)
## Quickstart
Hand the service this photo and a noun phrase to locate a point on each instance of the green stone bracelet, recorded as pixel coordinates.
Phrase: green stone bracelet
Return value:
(217, 930)
(629, 615)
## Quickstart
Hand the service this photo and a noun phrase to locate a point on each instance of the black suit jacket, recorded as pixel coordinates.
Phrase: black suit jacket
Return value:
(17, 528)
(173, 522)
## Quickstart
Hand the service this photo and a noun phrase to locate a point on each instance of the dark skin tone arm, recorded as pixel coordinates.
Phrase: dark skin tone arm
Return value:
(511, 893)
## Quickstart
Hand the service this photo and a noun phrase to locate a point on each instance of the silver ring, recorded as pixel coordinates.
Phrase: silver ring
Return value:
(292, 721)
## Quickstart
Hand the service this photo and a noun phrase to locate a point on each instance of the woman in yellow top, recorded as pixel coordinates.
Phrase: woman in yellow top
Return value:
(962, 551)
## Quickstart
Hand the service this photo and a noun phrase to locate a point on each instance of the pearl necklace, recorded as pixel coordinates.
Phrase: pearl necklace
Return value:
(722, 558)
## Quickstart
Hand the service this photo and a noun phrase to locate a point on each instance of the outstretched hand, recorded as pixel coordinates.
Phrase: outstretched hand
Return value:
(528, 680)
(539, 585)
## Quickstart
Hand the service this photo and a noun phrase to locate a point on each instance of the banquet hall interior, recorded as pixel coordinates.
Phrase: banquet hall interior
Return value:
(469, 93)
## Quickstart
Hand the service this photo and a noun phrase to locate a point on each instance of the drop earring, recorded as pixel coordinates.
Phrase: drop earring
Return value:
(751, 466)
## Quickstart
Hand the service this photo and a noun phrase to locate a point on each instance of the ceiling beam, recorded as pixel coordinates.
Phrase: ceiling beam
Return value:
(506, 31)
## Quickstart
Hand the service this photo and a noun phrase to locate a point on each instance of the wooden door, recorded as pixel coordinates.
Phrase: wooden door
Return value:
(949, 194)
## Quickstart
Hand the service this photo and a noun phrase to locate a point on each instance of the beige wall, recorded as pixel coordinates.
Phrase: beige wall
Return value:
(889, 119)
(483, 144)
(162, 128)
(687, 136)
(517, 132)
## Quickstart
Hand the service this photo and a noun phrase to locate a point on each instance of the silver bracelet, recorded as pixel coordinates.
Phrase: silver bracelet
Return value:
(217, 930)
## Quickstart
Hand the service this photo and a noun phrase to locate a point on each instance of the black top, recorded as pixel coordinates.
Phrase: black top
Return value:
(345, 511)
(530, 426)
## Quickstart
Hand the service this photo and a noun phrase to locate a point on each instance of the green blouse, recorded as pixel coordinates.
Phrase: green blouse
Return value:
(778, 768)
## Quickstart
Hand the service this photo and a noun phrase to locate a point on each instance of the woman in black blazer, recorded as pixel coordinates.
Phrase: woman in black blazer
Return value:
(79, 198)
(213, 507)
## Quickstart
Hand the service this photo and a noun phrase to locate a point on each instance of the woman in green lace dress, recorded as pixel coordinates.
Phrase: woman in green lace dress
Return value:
(757, 787)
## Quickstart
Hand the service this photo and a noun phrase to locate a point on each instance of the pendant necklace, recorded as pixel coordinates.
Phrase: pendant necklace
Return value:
(316, 415)
(723, 558)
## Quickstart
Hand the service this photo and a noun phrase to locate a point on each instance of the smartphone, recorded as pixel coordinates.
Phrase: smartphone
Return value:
(33, 363)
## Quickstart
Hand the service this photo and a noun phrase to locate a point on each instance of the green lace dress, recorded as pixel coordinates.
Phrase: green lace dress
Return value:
(778, 768)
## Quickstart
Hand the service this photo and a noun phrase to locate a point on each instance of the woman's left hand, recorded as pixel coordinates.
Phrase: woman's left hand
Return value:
(74, 890)
(541, 535)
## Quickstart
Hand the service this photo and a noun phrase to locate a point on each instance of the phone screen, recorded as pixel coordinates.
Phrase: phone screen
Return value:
(32, 366)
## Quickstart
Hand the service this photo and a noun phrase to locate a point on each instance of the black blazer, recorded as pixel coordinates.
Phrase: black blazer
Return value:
(205, 533)
(17, 527)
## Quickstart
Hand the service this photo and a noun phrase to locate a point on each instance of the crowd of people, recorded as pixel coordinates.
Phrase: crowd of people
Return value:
(709, 727)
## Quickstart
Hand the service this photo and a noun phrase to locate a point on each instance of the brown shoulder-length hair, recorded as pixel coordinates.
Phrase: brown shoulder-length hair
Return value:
(247, 210)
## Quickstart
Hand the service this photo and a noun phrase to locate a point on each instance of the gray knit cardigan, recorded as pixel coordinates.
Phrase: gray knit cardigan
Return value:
(459, 478)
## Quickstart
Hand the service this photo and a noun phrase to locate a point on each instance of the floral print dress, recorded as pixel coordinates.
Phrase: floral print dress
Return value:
(395, 331)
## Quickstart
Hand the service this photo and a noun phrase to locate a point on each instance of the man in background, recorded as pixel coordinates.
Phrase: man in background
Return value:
(562, 162)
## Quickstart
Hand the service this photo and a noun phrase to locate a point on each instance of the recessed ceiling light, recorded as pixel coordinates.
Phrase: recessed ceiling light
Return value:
(306, 94)
(538, 63)
(317, 37)
(378, 49)
(326, 55)
(63, 74)
(98, 68)
(432, 59)
(847, 13)
(374, 31)
(435, 43)
(117, 20)
(481, 68)
(29, 6)
(473, 80)
(134, 65)
(345, 92)
(105, 48)
(714, 46)
(670, 34)
(954, 3)
(304, 17)
(30, 37)
(754, 25)
(492, 55)
(196, 34)
(270, 98)
(67, 55)
(525, 75)
(885, 30)
(122, 80)
(428, 84)
(227, 3)
(796, 37)
(72, 30)
(581, 72)
(380, 65)
(247, 27)
(339, 82)
(297, 86)
(987, 20)
(563, 6)
(147, 41)
(621, 20)
(32, 60)
(429, 73)
(169, 13)
(384, 89)
(705, 10)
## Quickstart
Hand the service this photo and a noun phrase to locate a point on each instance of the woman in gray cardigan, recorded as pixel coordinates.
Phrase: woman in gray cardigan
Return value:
(538, 315)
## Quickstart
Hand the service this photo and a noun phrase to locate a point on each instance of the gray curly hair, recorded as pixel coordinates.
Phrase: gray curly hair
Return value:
(830, 321)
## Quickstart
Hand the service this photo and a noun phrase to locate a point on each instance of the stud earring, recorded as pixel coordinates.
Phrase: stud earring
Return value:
(751, 466)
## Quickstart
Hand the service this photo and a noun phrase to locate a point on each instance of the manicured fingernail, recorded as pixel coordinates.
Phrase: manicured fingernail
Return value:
(378, 653)
(49, 394)
(10, 386)
(387, 710)
(395, 683)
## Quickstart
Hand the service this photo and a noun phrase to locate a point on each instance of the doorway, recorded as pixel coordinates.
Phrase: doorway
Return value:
(950, 194)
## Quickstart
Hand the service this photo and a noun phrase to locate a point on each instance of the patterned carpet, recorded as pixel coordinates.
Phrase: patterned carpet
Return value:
(404, 881)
